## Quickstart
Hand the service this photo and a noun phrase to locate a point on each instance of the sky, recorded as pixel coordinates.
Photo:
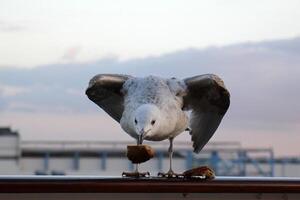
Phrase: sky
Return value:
(50, 49)
(38, 32)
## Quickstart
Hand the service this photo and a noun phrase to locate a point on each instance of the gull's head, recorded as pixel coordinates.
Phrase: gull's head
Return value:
(146, 120)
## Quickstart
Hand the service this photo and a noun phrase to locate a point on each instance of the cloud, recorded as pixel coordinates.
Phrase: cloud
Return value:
(75, 92)
(9, 90)
(72, 53)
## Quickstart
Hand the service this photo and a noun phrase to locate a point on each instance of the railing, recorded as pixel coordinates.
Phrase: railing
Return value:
(96, 184)
(227, 158)
(112, 145)
(92, 188)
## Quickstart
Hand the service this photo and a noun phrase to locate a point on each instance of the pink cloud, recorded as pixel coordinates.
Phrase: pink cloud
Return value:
(72, 53)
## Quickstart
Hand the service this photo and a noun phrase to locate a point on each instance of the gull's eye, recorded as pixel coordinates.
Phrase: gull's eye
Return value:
(135, 121)
(152, 122)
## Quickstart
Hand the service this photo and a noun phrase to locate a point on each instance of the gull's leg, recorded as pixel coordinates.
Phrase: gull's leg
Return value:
(170, 173)
(170, 150)
(138, 142)
(136, 168)
(136, 173)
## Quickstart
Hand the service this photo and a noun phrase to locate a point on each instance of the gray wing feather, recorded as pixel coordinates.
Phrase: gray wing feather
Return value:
(209, 100)
(105, 91)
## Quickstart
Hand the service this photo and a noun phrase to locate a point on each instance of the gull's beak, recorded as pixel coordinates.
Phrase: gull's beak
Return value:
(141, 136)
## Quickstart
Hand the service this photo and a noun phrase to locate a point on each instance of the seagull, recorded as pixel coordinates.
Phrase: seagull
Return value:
(155, 109)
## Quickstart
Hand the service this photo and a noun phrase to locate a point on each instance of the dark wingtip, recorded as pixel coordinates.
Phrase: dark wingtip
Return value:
(196, 150)
(92, 82)
(95, 81)
(90, 88)
(88, 91)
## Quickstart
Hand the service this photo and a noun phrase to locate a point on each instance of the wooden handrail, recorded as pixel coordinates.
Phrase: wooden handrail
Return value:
(89, 184)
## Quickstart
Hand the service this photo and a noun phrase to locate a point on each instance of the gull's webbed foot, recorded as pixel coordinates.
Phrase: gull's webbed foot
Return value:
(203, 172)
(135, 174)
(170, 174)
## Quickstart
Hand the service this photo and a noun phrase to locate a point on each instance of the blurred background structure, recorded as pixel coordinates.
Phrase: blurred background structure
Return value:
(109, 158)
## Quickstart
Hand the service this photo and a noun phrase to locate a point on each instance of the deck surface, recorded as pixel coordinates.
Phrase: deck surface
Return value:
(96, 184)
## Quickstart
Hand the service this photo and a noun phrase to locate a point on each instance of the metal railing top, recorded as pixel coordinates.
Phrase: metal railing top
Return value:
(96, 184)
(67, 145)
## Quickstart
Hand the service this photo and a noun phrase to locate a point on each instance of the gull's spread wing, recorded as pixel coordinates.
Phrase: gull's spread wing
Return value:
(105, 91)
(209, 100)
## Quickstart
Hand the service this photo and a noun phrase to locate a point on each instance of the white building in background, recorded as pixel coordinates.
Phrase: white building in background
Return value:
(10, 151)
(109, 158)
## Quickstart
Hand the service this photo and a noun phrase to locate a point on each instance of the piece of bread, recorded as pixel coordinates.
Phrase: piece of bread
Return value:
(203, 171)
(139, 153)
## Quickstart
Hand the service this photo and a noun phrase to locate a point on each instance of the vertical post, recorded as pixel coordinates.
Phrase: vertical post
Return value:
(76, 161)
(18, 149)
(160, 161)
(271, 163)
(189, 160)
(46, 162)
(214, 161)
(103, 160)
(242, 162)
